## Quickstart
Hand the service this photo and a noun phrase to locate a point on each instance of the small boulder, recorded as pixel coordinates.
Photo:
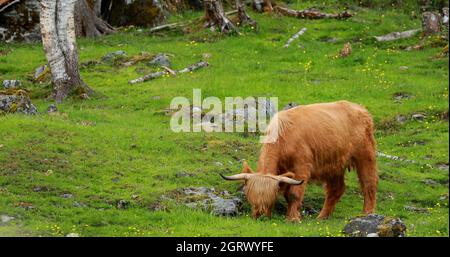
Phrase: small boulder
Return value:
(416, 209)
(399, 96)
(122, 204)
(16, 101)
(290, 105)
(401, 118)
(208, 199)
(67, 195)
(418, 116)
(52, 108)
(5, 218)
(160, 60)
(111, 57)
(41, 73)
(7, 84)
(375, 225)
(442, 166)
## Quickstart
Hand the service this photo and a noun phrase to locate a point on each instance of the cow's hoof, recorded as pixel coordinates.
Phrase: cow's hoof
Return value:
(293, 219)
(323, 217)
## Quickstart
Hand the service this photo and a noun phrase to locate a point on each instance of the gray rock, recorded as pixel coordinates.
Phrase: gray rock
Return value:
(375, 224)
(160, 60)
(399, 96)
(52, 108)
(290, 105)
(7, 84)
(39, 70)
(416, 209)
(122, 204)
(442, 166)
(418, 116)
(403, 68)
(430, 182)
(401, 118)
(110, 57)
(5, 218)
(217, 203)
(67, 195)
(373, 235)
(249, 113)
(17, 102)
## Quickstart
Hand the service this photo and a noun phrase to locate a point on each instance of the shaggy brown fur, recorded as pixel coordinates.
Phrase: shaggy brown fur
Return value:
(317, 142)
(261, 190)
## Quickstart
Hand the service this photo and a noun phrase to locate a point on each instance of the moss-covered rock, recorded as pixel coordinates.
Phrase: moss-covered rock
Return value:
(16, 101)
(375, 225)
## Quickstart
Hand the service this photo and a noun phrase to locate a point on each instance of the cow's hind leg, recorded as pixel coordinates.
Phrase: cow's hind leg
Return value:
(334, 189)
(367, 173)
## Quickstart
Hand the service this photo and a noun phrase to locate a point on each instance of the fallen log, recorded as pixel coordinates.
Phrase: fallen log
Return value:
(166, 26)
(176, 25)
(194, 67)
(294, 37)
(148, 77)
(168, 71)
(311, 14)
(397, 35)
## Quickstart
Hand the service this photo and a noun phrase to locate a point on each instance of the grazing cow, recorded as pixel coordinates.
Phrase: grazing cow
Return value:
(316, 142)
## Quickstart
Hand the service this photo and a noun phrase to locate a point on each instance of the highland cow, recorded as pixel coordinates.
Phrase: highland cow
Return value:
(316, 143)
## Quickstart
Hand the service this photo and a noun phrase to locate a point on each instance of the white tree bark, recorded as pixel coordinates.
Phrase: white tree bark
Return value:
(59, 40)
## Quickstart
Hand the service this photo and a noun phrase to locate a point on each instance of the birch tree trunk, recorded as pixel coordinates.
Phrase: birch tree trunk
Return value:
(59, 40)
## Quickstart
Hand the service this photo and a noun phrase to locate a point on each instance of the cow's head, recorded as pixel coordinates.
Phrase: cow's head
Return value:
(261, 190)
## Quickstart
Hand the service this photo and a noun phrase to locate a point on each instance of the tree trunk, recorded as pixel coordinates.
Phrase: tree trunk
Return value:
(263, 6)
(59, 40)
(215, 17)
(243, 17)
(87, 22)
(268, 6)
(311, 14)
(431, 23)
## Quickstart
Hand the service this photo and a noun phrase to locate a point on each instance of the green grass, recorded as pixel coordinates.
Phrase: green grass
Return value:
(129, 150)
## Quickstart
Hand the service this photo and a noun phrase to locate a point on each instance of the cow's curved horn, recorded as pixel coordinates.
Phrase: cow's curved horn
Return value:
(241, 176)
(290, 181)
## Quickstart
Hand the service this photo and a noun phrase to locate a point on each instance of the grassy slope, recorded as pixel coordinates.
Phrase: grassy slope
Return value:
(131, 151)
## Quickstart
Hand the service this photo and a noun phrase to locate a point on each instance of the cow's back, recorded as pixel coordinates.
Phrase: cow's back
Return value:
(325, 134)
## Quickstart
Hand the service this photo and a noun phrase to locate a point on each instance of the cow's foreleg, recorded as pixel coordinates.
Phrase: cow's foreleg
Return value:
(294, 195)
(334, 189)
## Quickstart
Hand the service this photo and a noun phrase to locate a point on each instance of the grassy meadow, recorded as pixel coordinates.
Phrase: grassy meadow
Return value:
(119, 147)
